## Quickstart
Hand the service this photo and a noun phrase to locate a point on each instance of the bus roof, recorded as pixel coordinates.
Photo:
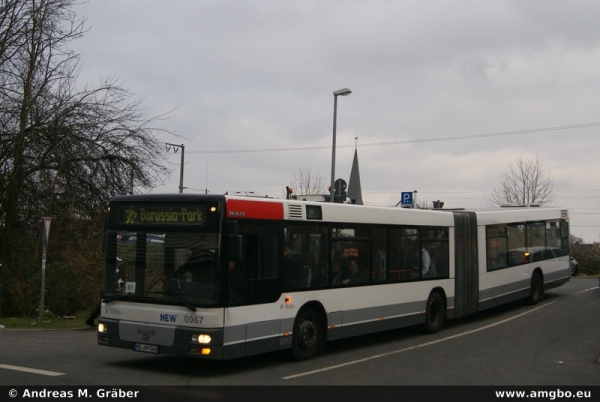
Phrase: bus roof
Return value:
(245, 207)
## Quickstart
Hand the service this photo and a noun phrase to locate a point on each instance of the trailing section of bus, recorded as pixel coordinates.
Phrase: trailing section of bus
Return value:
(227, 276)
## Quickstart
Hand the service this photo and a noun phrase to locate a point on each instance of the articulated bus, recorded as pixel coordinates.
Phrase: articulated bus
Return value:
(221, 277)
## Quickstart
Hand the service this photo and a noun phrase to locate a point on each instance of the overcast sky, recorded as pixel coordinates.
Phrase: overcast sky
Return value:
(251, 83)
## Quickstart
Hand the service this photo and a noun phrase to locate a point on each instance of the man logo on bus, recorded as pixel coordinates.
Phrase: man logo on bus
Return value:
(131, 215)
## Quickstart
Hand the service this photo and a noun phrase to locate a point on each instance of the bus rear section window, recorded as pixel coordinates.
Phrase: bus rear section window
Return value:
(564, 226)
(536, 234)
(497, 247)
(523, 243)
(553, 234)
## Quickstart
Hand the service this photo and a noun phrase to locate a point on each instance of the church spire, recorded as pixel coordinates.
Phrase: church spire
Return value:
(354, 190)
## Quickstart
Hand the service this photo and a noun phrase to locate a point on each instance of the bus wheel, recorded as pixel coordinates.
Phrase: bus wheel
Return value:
(307, 337)
(536, 290)
(434, 316)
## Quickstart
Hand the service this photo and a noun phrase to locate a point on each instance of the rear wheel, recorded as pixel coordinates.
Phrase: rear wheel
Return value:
(435, 314)
(536, 292)
(308, 335)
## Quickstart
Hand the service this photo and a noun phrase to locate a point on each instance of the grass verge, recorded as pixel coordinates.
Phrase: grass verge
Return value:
(53, 322)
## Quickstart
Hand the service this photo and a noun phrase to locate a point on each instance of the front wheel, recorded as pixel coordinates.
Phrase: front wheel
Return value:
(308, 335)
(435, 314)
(536, 292)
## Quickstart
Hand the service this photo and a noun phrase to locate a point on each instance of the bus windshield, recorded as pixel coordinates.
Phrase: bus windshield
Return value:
(162, 266)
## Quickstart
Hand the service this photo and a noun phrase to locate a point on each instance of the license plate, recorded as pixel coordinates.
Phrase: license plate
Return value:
(142, 347)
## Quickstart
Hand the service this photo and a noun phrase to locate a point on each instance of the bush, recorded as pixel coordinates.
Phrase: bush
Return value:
(73, 271)
(589, 263)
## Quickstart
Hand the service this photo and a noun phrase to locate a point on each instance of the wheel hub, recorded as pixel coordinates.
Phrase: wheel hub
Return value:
(308, 334)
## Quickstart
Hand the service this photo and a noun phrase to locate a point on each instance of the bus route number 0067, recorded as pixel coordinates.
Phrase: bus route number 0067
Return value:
(192, 319)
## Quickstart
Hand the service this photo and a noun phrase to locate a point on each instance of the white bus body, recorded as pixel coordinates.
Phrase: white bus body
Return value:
(414, 267)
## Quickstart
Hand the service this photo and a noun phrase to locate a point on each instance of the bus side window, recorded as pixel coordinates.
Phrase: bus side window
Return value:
(403, 258)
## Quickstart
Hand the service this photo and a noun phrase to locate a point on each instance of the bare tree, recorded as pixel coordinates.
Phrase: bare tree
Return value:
(423, 204)
(12, 28)
(64, 150)
(524, 183)
(575, 240)
(305, 182)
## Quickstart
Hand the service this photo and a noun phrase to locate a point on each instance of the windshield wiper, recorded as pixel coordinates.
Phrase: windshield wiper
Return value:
(117, 297)
(178, 297)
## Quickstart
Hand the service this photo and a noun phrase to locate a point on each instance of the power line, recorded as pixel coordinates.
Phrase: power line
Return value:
(484, 191)
(459, 195)
(378, 144)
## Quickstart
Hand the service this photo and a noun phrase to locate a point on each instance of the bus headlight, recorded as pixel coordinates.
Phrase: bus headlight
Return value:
(102, 328)
(201, 338)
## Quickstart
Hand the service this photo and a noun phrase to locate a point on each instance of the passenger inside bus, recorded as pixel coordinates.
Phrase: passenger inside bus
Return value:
(356, 274)
(337, 273)
(425, 263)
(497, 261)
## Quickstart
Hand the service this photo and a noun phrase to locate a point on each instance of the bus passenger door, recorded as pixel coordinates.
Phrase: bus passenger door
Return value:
(260, 261)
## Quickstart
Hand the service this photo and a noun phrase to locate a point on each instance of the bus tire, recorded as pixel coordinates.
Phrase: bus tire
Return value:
(536, 290)
(308, 335)
(435, 313)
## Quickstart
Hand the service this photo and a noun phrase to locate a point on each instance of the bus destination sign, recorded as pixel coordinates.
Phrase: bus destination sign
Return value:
(161, 214)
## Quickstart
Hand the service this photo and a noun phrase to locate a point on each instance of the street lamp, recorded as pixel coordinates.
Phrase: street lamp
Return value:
(342, 92)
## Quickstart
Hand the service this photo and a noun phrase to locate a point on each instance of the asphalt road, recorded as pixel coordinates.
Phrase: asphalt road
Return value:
(554, 343)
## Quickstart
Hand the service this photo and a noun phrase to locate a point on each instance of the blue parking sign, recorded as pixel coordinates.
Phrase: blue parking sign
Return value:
(406, 198)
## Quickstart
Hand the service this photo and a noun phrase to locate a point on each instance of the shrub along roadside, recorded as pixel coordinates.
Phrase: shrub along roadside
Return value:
(589, 264)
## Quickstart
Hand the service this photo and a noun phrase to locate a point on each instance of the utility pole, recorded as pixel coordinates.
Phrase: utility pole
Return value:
(175, 149)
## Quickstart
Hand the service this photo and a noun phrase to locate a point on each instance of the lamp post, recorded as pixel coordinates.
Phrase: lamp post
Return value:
(342, 92)
(175, 149)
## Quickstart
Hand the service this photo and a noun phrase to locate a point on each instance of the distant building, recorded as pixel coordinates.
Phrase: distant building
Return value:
(586, 248)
